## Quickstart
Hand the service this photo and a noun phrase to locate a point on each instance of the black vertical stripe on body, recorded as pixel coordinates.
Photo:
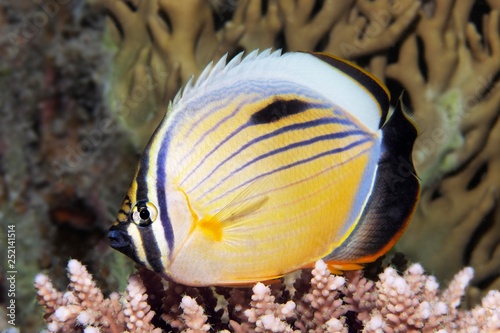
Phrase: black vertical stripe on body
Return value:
(364, 78)
(394, 196)
(142, 185)
(151, 248)
(279, 109)
(161, 178)
(149, 243)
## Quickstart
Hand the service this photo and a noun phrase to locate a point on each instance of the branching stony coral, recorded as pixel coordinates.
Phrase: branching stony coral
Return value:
(410, 302)
(83, 306)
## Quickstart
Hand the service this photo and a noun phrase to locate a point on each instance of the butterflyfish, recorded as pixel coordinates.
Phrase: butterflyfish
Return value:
(264, 165)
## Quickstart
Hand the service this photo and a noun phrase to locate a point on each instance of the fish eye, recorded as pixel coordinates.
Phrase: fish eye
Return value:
(144, 213)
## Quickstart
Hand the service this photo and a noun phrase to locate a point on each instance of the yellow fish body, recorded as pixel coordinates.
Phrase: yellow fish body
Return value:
(267, 164)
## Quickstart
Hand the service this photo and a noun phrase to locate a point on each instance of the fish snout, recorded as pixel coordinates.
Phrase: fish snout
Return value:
(119, 238)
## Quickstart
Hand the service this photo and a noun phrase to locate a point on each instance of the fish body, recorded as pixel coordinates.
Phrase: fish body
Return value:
(265, 165)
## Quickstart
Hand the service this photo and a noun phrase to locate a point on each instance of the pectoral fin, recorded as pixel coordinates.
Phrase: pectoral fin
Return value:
(237, 213)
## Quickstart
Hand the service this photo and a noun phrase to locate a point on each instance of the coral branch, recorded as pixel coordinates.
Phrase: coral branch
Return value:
(136, 308)
(454, 84)
(410, 302)
(193, 316)
(83, 305)
(47, 295)
(260, 31)
(374, 26)
(265, 314)
(303, 32)
(323, 302)
(193, 46)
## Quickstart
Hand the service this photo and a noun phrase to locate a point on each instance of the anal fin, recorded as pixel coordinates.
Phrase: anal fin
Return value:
(337, 267)
(250, 282)
(340, 267)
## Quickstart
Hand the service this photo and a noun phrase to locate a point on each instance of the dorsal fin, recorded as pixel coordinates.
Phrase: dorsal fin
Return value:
(370, 82)
(345, 85)
(211, 71)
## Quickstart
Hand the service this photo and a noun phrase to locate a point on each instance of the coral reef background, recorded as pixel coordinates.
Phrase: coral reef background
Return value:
(83, 83)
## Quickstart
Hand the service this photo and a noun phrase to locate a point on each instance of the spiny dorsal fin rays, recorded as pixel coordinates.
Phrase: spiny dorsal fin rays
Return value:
(305, 71)
(189, 86)
(212, 71)
(206, 72)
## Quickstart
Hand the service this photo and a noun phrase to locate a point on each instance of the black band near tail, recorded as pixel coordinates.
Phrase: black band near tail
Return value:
(393, 198)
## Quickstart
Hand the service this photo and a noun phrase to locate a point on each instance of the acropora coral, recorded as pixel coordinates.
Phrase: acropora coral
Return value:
(84, 304)
(307, 301)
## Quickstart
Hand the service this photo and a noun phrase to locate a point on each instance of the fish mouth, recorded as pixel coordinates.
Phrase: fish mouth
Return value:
(121, 241)
(118, 238)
